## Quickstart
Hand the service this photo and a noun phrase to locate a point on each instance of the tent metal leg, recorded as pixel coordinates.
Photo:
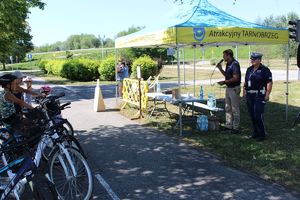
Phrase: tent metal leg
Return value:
(287, 81)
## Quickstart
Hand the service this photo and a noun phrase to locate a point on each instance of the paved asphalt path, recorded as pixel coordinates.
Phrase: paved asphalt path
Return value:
(136, 162)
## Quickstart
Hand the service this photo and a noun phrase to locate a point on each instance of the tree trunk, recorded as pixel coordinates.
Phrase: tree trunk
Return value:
(3, 64)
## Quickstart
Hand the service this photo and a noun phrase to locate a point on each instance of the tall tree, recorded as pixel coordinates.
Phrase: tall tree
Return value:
(281, 21)
(130, 30)
(14, 30)
(83, 41)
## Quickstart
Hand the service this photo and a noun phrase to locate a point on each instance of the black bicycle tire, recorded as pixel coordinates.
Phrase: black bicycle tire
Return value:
(51, 163)
(67, 138)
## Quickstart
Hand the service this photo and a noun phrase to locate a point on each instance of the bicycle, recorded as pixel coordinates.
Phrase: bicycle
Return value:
(66, 163)
(53, 107)
(51, 111)
(26, 172)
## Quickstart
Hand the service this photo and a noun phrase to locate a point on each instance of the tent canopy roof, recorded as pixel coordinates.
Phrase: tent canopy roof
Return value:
(202, 23)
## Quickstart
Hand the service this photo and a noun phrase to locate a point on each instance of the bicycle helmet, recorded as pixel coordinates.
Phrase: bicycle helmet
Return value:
(45, 89)
(7, 79)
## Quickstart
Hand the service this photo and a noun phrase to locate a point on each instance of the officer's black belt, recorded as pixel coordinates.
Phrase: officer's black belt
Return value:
(256, 91)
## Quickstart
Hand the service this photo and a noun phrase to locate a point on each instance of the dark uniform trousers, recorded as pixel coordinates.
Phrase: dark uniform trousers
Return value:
(256, 105)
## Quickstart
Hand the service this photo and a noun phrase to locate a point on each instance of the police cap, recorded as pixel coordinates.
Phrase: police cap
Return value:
(255, 55)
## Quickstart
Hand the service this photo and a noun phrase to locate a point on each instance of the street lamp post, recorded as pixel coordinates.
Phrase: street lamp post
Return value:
(102, 43)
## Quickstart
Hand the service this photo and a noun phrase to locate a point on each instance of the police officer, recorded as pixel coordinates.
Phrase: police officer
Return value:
(257, 89)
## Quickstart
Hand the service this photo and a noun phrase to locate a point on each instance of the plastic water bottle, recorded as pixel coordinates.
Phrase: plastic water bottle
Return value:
(202, 123)
(211, 101)
(205, 123)
(199, 122)
(158, 87)
(201, 93)
(214, 101)
(202, 126)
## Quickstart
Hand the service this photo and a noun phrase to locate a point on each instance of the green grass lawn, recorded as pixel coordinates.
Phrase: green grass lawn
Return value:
(276, 159)
(23, 66)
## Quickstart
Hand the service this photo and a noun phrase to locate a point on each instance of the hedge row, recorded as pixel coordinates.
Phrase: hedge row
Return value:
(88, 70)
(79, 70)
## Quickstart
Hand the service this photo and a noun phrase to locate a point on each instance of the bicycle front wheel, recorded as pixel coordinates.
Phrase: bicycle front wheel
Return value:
(71, 174)
(65, 127)
(68, 140)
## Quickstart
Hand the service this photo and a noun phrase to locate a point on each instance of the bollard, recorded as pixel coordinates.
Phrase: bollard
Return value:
(98, 99)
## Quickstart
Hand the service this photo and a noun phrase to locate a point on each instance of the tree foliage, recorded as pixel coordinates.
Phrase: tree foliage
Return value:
(82, 41)
(157, 54)
(130, 30)
(15, 35)
(281, 21)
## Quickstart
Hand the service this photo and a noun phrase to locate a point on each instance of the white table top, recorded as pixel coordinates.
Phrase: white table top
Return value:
(168, 97)
(184, 99)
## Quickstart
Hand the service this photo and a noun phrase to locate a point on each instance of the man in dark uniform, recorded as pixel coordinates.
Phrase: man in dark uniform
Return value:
(232, 80)
(257, 89)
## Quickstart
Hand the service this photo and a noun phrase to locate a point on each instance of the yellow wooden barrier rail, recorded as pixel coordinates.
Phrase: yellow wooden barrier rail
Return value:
(131, 93)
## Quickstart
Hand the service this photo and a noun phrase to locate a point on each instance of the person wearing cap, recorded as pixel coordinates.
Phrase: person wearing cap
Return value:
(28, 97)
(20, 91)
(8, 101)
(17, 92)
(257, 89)
(232, 81)
(19, 76)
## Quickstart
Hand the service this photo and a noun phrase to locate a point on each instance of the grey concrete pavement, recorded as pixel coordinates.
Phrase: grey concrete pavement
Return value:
(142, 163)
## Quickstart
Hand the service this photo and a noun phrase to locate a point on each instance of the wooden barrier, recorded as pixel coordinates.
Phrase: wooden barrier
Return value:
(131, 93)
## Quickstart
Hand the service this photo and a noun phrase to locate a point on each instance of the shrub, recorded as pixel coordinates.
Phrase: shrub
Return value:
(42, 65)
(54, 67)
(148, 67)
(107, 69)
(80, 70)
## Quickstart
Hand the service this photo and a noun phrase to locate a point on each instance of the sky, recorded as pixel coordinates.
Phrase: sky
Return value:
(105, 18)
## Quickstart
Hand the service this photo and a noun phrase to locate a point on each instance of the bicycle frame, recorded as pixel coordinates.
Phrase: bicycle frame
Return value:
(46, 139)
(60, 145)
(25, 169)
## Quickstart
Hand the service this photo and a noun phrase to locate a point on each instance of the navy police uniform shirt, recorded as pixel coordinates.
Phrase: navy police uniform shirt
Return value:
(231, 69)
(258, 79)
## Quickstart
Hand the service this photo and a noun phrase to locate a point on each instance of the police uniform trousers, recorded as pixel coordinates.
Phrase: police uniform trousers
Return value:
(256, 105)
